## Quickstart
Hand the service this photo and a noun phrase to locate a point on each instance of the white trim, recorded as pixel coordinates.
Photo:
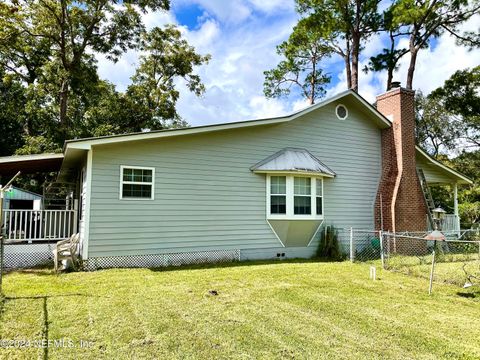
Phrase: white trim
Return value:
(336, 112)
(152, 183)
(86, 144)
(464, 179)
(294, 173)
(315, 233)
(86, 226)
(289, 196)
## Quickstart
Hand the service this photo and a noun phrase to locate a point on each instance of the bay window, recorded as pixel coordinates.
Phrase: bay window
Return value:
(294, 197)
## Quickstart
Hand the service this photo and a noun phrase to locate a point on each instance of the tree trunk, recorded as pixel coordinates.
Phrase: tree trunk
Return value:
(413, 60)
(392, 63)
(355, 54)
(346, 58)
(63, 105)
(389, 78)
(313, 81)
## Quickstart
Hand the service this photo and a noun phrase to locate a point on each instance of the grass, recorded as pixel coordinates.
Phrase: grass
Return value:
(294, 309)
(449, 268)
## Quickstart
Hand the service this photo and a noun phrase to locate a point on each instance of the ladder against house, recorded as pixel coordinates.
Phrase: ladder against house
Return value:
(428, 197)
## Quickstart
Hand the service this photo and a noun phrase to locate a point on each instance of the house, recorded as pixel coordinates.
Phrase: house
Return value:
(18, 198)
(249, 190)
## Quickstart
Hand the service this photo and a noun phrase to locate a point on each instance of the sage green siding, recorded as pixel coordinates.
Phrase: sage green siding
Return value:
(206, 197)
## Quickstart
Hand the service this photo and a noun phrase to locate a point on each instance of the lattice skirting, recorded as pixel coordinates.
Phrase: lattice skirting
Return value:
(27, 255)
(162, 260)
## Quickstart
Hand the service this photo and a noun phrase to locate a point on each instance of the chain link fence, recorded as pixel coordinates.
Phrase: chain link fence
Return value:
(457, 259)
(364, 245)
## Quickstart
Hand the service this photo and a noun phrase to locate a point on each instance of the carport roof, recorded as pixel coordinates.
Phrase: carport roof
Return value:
(29, 164)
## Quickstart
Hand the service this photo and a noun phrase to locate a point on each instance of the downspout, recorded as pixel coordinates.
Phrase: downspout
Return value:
(399, 155)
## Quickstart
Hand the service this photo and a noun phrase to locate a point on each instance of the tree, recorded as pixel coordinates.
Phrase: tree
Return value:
(303, 52)
(167, 58)
(12, 101)
(390, 56)
(460, 95)
(344, 27)
(75, 30)
(447, 123)
(449, 118)
(436, 129)
(420, 21)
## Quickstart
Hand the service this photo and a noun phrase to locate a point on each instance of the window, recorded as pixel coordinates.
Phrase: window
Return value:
(319, 197)
(302, 203)
(278, 195)
(137, 182)
(341, 112)
(294, 197)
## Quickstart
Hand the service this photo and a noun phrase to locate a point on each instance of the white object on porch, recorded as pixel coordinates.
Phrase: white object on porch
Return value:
(39, 225)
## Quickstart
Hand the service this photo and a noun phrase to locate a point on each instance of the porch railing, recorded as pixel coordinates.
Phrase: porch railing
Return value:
(38, 225)
(451, 223)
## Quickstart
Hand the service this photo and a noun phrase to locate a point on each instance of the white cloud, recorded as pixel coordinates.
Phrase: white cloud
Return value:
(241, 36)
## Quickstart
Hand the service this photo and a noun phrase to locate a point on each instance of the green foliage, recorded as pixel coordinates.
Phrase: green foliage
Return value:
(303, 53)
(51, 90)
(38, 145)
(448, 120)
(469, 213)
(329, 247)
(12, 101)
(460, 96)
(325, 28)
(167, 58)
(419, 22)
(437, 130)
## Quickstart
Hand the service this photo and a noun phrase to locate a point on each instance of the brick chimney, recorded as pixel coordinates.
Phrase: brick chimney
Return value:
(400, 203)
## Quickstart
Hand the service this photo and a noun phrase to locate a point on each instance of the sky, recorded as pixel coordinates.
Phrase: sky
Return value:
(242, 35)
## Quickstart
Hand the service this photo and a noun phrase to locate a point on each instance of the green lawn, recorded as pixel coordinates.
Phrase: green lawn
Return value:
(299, 310)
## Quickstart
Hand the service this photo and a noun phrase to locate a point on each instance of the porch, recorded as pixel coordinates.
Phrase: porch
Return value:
(37, 226)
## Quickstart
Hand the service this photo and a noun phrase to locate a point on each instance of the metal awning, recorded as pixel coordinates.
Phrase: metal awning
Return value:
(29, 164)
(293, 160)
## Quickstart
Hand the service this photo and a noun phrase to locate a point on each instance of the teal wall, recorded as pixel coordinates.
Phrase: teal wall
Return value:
(206, 197)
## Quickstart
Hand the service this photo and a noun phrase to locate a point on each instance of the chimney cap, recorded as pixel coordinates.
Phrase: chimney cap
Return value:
(395, 84)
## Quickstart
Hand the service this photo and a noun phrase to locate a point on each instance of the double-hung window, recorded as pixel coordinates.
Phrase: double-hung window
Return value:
(294, 197)
(302, 196)
(278, 195)
(137, 183)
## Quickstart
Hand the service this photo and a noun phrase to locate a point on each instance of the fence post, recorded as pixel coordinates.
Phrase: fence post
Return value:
(380, 235)
(352, 250)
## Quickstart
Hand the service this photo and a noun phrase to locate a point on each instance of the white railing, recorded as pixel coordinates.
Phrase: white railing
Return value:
(37, 225)
(451, 223)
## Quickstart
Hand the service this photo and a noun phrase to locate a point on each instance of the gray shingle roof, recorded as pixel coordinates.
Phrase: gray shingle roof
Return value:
(293, 160)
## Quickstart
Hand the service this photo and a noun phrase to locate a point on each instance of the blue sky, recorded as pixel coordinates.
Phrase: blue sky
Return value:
(241, 36)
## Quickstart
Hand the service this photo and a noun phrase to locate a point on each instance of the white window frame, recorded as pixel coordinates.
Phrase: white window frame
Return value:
(290, 198)
(122, 167)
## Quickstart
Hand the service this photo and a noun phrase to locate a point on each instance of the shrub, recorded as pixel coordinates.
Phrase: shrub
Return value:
(329, 246)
